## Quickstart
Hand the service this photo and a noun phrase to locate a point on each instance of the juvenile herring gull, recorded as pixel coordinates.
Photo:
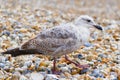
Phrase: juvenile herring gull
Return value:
(59, 40)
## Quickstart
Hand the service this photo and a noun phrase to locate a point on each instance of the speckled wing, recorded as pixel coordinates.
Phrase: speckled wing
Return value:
(50, 40)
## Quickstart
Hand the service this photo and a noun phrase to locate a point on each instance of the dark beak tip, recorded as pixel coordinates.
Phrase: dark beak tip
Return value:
(98, 27)
(101, 28)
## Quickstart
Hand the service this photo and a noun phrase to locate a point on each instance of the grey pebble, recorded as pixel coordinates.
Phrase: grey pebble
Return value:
(102, 55)
(2, 65)
(51, 77)
(87, 44)
(96, 73)
(28, 63)
(22, 77)
(6, 33)
(2, 59)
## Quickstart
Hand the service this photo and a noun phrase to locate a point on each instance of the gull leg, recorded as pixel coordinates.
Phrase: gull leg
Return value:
(76, 64)
(54, 66)
(54, 71)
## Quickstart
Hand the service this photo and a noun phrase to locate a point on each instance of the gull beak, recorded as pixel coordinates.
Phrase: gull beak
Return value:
(98, 27)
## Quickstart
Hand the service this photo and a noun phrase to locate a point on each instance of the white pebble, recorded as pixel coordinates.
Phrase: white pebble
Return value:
(23, 78)
(51, 77)
(65, 69)
(36, 76)
(2, 59)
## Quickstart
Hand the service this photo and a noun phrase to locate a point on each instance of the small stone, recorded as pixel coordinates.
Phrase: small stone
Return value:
(48, 70)
(51, 77)
(83, 71)
(32, 67)
(65, 69)
(23, 30)
(2, 59)
(96, 73)
(102, 55)
(28, 63)
(75, 71)
(43, 64)
(88, 44)
(6, 33)
(91, 57)
(80, 56)
(73, 78)
(99, 39)
(68, 75)
(2, 75)
(37, 63)
(113, 76)
(15, 77)
(22, 77)
(20, 35)
(62, 64)
(63, 79)
(35, 27)
(2, 65)
(37, 76)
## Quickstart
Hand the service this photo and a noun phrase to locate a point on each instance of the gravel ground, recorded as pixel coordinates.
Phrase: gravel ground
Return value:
(21, 20)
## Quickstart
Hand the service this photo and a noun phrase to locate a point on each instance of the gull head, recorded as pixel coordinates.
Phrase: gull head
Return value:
(86, 21)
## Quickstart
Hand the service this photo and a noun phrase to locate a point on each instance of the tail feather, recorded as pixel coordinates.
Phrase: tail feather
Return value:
(17, 52)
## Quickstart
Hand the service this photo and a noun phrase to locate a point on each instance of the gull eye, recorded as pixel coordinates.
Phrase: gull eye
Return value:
(88, 20)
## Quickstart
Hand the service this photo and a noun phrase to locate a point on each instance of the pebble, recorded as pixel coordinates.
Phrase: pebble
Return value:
(65, 69)
(2, 59)
(83, 71)
(22, 77)
(36, 76)
(80, 56)
(16, 76)
(2, 65)
(87, 44)
(102, 55)
(28, 63)
(2, 75)
(48, 70)
(113, 76)
(51, 77)
(7, 33)
(96, 73)
(37, 63)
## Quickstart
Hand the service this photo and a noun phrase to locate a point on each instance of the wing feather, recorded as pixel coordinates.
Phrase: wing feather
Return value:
(48, 41)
